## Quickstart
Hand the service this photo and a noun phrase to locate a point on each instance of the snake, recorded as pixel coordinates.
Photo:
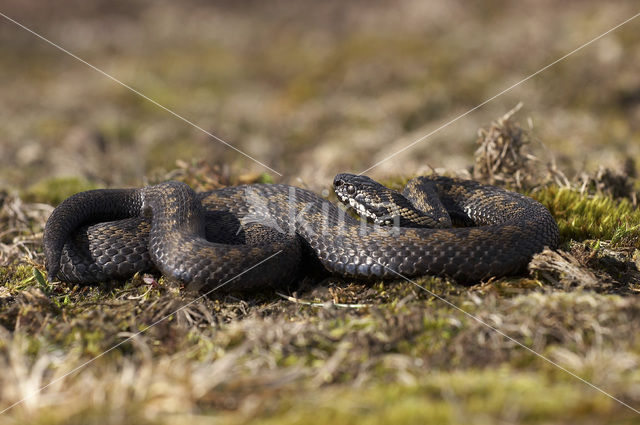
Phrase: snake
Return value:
(253, 236)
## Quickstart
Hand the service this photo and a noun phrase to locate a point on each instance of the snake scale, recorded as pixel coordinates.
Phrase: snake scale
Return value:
(251, 236)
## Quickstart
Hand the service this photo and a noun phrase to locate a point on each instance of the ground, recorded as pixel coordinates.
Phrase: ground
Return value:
(311, 90)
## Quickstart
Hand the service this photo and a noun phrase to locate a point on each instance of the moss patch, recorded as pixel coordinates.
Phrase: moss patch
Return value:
(583, 217)
(55, 190)
(472, 396)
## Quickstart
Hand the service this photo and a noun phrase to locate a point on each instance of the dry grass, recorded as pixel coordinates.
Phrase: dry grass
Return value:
(294, 85)
(251, 360)
(502, 156)
(21, 228)
(277, 358)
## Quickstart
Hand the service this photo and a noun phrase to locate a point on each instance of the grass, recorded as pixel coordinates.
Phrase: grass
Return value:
(312, 89)
(471, 396)
(295, 99)
(404, 356)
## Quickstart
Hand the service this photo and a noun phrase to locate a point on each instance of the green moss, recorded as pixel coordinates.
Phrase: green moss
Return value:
(17, 277)
(626, 235)
(55, 190)
(471, 396)
(265, 178)
(583, 217)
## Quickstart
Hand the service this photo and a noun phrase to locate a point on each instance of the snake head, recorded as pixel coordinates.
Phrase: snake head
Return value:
(366, 197)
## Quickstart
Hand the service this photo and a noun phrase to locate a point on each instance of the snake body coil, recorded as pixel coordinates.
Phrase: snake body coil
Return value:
(256, 235)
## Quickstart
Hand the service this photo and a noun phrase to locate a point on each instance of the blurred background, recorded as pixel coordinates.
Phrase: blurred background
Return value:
(308, 88)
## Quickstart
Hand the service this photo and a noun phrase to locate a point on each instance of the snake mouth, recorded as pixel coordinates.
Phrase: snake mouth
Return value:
(362, 211)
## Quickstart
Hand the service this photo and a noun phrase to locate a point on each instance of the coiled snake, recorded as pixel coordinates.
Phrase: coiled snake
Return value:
(265, 234)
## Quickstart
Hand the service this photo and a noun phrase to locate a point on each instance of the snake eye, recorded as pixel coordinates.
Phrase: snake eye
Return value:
(351, 189)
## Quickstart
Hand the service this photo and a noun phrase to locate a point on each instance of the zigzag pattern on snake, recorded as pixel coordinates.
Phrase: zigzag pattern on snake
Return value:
(211, 237)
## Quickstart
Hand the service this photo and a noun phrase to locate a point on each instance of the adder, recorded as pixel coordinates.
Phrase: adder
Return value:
(252, 236)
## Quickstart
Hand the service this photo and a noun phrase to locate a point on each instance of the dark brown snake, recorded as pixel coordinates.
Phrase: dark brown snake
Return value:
(248, 237)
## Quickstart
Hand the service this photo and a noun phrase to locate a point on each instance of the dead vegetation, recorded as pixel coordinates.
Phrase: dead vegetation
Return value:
(599, 205)
(503, 156)
(170, 352)
(21, 226)
(619, 184)
(326, 76)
